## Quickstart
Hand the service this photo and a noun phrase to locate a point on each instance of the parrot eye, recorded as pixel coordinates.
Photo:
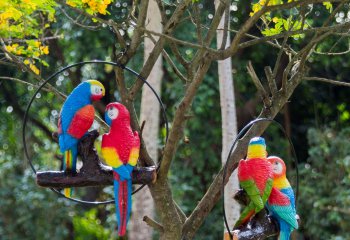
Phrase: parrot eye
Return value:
(112, 113)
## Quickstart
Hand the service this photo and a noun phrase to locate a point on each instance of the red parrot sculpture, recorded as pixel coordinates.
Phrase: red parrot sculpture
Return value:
(120, 150)
(255, 176)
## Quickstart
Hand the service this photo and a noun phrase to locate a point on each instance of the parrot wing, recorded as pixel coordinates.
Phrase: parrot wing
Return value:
(253, 192)
(279, 205)
(135, 150)
(290, 194)
(252, 181)
(81, 121)
(110, 153)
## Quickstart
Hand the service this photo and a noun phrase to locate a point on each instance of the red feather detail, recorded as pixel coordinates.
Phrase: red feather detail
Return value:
(257, 169)
(278, 198)
(116, 176)
(123, 206)
(82, 121)
(121, 137)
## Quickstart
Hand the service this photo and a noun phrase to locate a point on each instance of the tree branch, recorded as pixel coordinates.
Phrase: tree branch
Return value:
(326, 80)
(93, 172)
(168, 28)
(258, 85)
(152, 223)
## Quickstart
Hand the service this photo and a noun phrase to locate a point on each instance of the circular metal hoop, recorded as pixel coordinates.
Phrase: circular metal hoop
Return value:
(239, 136)
(116, 64)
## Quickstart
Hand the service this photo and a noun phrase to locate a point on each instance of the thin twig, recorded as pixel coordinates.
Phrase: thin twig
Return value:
(152, 223)
(24, 82)
(37, 39)
(169, 61)
(271, 80)
(256, 81)
(327, 80)
(93, 28)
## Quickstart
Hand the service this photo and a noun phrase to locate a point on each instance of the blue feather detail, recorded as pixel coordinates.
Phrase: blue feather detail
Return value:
(290, 194)
(123, 172)
(285, 230)
(129, 199)
(108, 119)
(257, 140)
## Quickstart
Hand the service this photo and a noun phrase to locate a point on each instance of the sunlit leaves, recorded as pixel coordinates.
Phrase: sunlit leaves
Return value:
(328, 6)
(91, 6)
(281, 25)
(259, 5)
(22, 24)
(284, 20)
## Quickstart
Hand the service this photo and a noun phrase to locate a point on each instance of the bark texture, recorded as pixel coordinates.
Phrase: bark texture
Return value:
(228, 116)
(143, 204)
(93, 172)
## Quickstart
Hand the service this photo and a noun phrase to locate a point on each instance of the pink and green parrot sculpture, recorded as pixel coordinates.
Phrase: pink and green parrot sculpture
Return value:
(75, 119)
(281, 203)
(255, 177)
(120, 150)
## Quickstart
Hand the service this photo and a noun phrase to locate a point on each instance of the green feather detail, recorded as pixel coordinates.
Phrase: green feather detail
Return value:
(246, 211)
(254, 194)
(267, 190)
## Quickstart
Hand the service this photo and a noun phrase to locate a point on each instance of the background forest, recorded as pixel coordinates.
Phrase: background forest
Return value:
(316, 118)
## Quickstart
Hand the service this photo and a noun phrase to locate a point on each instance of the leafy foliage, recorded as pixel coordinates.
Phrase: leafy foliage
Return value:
(325, 186)
(24, 23)
(91, 6)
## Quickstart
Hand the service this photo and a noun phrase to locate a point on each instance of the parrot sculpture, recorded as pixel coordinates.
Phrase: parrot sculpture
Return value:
(120, 149)
(75, 119)
(281, 203)
(255, 177)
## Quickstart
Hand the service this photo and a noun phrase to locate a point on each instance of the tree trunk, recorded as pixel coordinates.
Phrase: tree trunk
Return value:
(143, 204)
(229, 120)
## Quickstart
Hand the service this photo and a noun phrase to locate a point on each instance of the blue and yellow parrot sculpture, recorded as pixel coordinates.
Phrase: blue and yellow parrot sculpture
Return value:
(120, 150)
(281, 202)
(75, 119)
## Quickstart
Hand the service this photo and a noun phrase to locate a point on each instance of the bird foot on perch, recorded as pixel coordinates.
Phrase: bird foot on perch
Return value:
(93, 172)
(261, 226)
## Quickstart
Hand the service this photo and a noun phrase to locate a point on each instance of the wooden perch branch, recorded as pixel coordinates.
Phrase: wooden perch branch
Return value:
(261, 226)
(271, 80)
(258, 85)
(93, 172)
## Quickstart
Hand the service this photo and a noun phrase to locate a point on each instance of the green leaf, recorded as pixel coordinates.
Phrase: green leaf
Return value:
(328, 5)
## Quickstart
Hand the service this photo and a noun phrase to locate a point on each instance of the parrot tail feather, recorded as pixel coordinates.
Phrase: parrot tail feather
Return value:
(68, 192)
(69, 165)
(285, 230)
(123, 204)
(246, 214)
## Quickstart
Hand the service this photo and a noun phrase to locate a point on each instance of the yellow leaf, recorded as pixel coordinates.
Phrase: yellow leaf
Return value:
(34, 69)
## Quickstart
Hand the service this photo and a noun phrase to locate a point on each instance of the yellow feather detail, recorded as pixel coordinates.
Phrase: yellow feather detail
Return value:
(281, 182)
(97, 83)
(111, 157)
(256, 151)
(67, 192)
(134, 156)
